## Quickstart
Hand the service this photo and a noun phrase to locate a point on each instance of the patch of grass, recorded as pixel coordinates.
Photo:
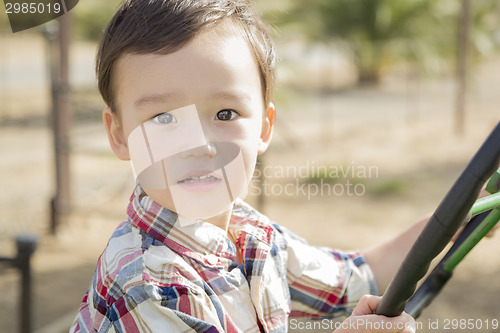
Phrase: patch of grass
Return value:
(385, 187)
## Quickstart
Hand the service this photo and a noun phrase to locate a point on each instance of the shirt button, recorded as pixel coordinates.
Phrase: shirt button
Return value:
(212, 259)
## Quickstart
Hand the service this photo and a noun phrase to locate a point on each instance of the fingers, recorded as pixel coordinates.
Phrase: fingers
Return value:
(403, 323)
(364, 319)
(366, 305)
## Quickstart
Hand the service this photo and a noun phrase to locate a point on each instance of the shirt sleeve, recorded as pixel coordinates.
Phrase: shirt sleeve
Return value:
(322, 281)
(146, 308)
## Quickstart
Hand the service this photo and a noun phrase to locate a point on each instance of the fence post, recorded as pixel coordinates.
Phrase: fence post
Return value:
(26, 246)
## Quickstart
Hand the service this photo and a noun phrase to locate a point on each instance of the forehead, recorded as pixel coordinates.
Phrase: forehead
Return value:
(216, 61)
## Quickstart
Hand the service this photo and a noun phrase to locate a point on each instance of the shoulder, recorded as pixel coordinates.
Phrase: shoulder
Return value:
(149, 289)
(135, 267)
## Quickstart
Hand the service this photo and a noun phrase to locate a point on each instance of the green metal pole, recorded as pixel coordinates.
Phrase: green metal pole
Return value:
(485, 204)
(482, 230)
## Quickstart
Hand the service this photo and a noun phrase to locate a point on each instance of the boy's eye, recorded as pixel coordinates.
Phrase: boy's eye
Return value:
(164, 118)
(226, 115)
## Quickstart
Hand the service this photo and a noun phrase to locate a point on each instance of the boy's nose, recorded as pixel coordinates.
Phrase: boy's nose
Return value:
(207, 150)
(212, 151)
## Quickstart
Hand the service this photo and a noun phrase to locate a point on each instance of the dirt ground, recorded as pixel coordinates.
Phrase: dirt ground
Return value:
(395, 143)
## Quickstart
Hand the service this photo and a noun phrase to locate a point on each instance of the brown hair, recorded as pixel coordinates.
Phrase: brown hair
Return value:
(165, 26)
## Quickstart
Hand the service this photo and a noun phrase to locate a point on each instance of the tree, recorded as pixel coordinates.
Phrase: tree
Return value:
(379, 33)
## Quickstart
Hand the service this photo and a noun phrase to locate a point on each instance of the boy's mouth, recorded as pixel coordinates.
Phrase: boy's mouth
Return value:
(198, 179)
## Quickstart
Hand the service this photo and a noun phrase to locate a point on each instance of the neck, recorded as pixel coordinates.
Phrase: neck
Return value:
(221, 220)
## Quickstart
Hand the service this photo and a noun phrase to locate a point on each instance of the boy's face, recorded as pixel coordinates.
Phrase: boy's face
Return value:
(192, 122)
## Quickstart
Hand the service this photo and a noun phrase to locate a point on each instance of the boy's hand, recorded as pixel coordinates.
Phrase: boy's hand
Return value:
(364, 319)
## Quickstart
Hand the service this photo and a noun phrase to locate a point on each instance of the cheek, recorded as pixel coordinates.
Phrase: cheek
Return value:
(248, 141)
(249, 131)
(249, 155)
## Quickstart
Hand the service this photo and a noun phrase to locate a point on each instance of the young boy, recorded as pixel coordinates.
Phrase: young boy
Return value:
(188, 84)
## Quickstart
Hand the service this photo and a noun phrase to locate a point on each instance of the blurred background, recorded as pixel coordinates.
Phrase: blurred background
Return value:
(380, 103)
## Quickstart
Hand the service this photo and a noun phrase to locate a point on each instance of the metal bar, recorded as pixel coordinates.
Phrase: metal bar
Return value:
(484, 204)
(9, 261)
(493, 185)
(428, 291)
(444, 223)
(489, 222)
(437, 279)
(26, 246)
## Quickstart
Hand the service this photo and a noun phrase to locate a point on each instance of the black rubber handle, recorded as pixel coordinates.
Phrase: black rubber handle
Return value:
(444, 223)
(427, 291)
(437, 279)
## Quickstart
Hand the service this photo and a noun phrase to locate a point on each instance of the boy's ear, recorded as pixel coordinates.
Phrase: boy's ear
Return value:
(116, 137)
(267, 128)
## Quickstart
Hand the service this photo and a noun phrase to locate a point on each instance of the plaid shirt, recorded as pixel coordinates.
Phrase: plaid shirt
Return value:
(158, 276)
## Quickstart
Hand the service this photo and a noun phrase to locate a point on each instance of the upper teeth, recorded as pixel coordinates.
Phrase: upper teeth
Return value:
(198, 178)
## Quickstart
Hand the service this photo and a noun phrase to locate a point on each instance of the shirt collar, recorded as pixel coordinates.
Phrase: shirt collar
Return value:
(201, 241)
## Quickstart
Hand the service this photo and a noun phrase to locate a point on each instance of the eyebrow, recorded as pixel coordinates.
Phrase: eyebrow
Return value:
(232, 95)
(155, 99)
